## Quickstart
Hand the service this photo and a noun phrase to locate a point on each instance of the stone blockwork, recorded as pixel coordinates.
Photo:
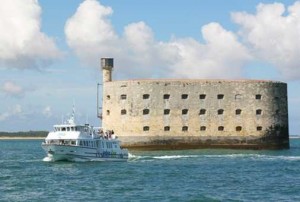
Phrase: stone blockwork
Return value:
(180, 114)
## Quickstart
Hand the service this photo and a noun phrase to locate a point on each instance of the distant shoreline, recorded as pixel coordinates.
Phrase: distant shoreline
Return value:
(22, 138)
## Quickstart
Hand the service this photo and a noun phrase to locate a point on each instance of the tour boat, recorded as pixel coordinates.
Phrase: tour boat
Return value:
(73, 142)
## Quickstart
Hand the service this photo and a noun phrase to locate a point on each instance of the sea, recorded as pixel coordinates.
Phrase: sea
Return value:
(181, 175)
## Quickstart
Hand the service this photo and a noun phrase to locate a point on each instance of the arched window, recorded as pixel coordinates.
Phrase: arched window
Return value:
(166, 111)
(185, 128)
(238, 128)
(146, 128)
(258, 128)
(202, 128)
(220, 111)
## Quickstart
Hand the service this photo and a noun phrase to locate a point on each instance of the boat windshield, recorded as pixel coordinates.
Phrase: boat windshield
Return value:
(69, 128)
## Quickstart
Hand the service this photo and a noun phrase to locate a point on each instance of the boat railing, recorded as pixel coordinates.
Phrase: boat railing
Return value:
(106, 134)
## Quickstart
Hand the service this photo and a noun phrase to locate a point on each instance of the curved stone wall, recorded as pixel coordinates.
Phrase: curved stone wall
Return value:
(197, 113)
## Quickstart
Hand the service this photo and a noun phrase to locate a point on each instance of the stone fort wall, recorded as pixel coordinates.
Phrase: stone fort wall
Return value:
(197, 113)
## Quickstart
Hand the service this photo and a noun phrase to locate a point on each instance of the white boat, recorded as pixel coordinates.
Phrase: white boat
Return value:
(73, 142)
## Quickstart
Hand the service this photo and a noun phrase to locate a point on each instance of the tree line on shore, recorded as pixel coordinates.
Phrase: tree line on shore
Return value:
(24, 134)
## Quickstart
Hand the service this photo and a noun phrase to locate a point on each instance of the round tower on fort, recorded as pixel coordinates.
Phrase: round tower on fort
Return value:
(195, 113)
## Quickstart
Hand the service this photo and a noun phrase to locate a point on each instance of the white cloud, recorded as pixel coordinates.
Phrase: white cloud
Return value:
(273, 35)
(90, 34)
(221, 56)
(12, 89)
(15, 111)
(22, 44)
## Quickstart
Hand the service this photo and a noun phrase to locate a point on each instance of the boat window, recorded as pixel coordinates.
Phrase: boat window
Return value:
(73, 142)
(81, 143)
(68, 129)
(63, 129)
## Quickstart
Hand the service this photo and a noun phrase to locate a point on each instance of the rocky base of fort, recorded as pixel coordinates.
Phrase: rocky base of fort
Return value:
(192, 142)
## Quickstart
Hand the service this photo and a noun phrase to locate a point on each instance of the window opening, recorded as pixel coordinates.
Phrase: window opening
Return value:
(202, 128)
(166, 111)
(220, 96)
(258, 96)
(258, 112)
(123, 111)
(238, 112)
(184, 96)
(238, 128)
(123, 97)
(220, 111)
(185, 111)
(167, 128)
(166, 96)
(258, 128)
(185, 128)
(146, 111)
(202, 111)
(146, 96)
(221, 128)
(202, 96)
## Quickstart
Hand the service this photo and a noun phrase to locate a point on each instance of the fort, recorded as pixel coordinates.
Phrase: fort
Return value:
(195, 113)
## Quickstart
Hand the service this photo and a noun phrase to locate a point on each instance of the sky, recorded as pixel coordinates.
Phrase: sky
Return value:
(50, 50)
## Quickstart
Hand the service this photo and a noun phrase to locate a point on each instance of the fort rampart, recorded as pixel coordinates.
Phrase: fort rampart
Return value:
(180, 114)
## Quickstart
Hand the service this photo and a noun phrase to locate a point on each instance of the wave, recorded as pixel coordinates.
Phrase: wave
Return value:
(206, 156)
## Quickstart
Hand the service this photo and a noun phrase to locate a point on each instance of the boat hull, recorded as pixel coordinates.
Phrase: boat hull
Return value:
(78, 153)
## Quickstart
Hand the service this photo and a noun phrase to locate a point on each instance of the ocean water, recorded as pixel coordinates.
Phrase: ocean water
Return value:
(189, 175)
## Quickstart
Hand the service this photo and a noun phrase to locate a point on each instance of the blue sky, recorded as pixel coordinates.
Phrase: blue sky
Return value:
(50, 50)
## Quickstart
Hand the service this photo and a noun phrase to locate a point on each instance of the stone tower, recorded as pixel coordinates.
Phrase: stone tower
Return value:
(107, 65)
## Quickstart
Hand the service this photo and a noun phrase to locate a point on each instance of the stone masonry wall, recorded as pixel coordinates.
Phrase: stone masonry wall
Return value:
(196, 112)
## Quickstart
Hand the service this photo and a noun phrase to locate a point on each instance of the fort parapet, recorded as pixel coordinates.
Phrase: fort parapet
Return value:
(183, 114)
